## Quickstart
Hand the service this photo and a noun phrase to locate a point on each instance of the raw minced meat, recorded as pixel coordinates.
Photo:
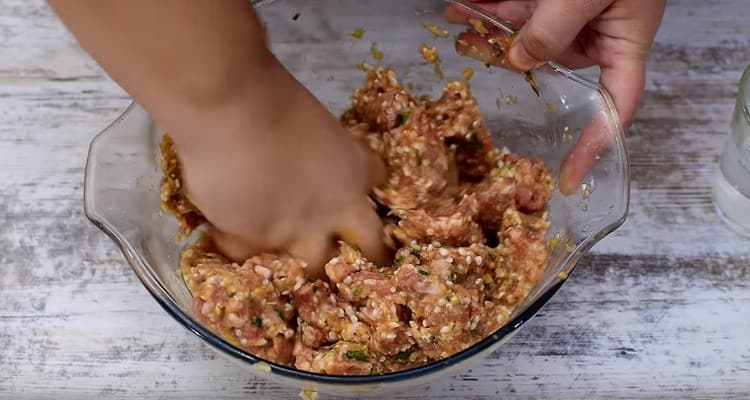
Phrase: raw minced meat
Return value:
(466, 221)
(172, 198)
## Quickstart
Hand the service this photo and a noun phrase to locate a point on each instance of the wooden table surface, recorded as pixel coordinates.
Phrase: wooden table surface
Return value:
(661, 309)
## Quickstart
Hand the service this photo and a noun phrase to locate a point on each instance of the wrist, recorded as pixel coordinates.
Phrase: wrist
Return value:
(214, 110)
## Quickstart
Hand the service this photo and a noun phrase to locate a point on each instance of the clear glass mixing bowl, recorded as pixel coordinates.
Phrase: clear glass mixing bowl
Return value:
(571, 118)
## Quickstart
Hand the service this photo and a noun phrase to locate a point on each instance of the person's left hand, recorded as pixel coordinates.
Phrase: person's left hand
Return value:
(615, 35)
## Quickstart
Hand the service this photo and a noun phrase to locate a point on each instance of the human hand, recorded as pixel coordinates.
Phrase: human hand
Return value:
(616, 35)
(279, 173)
(261, 158)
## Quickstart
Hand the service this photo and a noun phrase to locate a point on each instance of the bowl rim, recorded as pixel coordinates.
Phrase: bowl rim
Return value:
(163, 297)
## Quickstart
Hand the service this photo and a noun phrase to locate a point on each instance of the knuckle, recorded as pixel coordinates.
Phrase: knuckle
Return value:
(589, 9)
(539, 42)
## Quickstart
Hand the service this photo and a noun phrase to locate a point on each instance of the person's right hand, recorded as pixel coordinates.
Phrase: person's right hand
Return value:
(273, 170)
(262, 159)
(616, 35)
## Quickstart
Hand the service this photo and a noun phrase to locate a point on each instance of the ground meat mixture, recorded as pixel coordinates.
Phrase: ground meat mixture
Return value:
(171, 196)
(466, 221)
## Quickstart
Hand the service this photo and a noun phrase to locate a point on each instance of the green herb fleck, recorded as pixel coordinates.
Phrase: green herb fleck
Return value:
(357, 33)
(492, 256)
(404, 355)
(530, 79)
(415, 251)
(419, 155)
(402, 117)
(296, 16)
(423, 272)
(258, 321)
(356, 355)
(357, 292)
(487, 65)
(438, 71)
(399, 258)
(276, 310)
(375, 52)
(497, 50)
(433, 340)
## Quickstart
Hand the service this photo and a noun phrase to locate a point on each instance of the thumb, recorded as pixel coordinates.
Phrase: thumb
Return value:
(552, 28)
(360, 226)
(232, 246)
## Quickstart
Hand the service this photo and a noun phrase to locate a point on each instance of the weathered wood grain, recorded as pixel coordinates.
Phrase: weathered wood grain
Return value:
(660, 310)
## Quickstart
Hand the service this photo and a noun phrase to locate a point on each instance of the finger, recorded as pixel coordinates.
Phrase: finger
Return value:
(376, 171)
(551, 29)
(575, 58)
(232, 246)
(488, 48)
(595, 140)
(376, 168)
(315, 248)
(514, 11)
(361, 227)
(492, 49)
(625, 85)
(484, 47)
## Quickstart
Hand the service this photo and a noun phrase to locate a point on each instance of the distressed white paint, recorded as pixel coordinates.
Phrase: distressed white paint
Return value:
(662, 310)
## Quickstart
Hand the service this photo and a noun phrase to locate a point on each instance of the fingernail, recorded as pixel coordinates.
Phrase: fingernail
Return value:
(520, 59)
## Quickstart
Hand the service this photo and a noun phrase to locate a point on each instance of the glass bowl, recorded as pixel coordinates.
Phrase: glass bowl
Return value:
(569, 118)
